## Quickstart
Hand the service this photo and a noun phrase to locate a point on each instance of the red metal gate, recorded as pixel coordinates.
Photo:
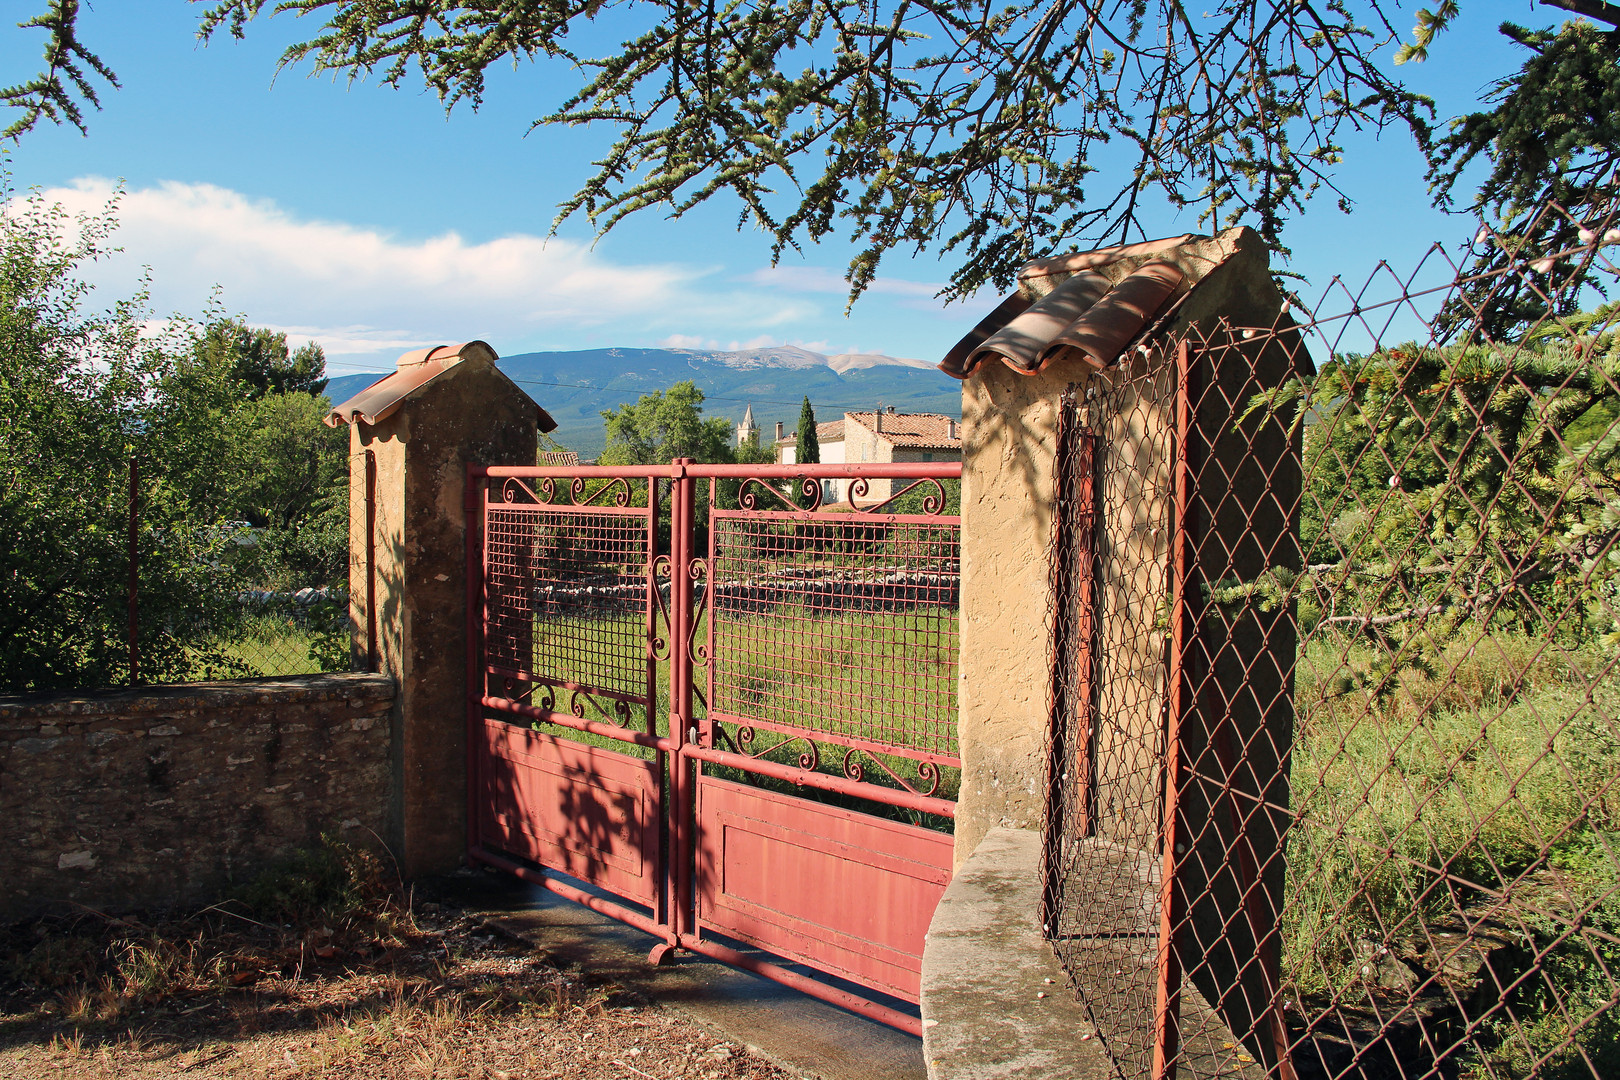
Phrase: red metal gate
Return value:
(728, 715)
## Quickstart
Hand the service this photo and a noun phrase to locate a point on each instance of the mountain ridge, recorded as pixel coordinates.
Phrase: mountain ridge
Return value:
(575, 386)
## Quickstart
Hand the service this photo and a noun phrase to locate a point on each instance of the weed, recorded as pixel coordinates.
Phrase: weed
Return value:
(328, 882)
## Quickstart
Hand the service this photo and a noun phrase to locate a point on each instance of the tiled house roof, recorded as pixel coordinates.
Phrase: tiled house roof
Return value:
(932, 431)
(826, 431)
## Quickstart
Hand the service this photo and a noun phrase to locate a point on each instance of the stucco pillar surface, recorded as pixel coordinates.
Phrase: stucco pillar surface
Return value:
(408, 584)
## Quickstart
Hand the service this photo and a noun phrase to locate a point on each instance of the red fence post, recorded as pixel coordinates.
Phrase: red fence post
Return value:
(134, 565)
(1167, 1022)
(372, 653)
(683, 842)
(472, 503)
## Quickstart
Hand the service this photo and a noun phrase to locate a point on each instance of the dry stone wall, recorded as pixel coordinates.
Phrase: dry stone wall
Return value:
(120, 800)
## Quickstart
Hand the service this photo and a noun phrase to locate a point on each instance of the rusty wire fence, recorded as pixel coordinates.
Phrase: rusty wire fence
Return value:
(1336, 756)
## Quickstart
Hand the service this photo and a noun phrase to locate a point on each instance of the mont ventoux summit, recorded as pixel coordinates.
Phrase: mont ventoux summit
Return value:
(574, 387)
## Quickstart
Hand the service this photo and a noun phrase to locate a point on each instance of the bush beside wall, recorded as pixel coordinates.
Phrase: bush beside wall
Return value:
(155, 796)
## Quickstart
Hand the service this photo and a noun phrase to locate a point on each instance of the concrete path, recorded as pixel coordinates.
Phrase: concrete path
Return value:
(791, 1029)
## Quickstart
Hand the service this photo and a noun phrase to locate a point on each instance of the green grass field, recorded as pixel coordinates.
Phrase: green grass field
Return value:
(888, 676)
(1476, 786)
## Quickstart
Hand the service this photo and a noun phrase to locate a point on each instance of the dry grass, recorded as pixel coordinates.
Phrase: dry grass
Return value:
(367, 987)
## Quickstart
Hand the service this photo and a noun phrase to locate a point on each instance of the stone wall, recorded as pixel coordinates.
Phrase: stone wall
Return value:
(119, 800)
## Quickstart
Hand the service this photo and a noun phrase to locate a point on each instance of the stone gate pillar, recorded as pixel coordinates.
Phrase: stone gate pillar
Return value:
(411, 436)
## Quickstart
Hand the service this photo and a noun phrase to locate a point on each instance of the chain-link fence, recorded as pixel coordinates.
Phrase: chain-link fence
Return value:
(1336, 756)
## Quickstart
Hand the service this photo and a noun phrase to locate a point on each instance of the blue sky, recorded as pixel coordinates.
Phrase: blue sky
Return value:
(362, 218)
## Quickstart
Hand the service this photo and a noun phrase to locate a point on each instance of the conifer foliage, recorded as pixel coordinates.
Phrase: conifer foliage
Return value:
(968, 127)
(807, 446)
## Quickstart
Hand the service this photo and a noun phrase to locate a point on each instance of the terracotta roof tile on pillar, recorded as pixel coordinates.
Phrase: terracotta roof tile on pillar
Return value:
(412, 372)
(1086, 307)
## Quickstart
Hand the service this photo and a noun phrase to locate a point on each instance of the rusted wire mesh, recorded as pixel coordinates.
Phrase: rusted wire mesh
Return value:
(566, 589)
(839, 628)
(1366, 692)
(1114, 467)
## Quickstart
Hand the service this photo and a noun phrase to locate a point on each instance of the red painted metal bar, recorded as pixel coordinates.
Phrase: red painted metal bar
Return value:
(834, 738)
(928, 804)
(473, 504)
(683, 815)
(594, 727)
(373, 655)
(661, 857)
(579, 896)
(898, 470)
(519, 675)
(134, 572)
(1085, 632)
(588, 472)
(1167, 1018)
(775, 972)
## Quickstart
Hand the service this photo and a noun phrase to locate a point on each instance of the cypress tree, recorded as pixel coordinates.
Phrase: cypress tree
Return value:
(807, 449)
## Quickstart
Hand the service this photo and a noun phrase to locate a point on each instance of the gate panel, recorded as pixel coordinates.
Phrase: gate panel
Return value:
(567, 767)
(807, 645)
(589, 812)
(842, 891)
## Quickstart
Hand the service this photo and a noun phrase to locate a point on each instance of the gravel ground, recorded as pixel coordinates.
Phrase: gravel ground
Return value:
(389, 991)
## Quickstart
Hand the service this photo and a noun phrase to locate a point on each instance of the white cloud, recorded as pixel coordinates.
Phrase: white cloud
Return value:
(366, 293)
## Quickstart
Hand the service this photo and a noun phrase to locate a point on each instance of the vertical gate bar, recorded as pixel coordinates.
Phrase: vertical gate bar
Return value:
(712, 662)
(134, 571)
(473, 502)
(661, 856)
(1167, 1021)
(373, 656)
(651, 628)
(683, 847)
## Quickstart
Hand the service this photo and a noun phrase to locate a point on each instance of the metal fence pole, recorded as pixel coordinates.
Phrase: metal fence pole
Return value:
(1172, 900)
(134, 571)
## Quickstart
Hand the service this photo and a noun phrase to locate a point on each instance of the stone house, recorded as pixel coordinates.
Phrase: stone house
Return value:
(882, 435)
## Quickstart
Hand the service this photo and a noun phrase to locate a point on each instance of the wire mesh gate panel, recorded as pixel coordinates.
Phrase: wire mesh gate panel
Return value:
(830, 631)
(567, 615)
(747, 738)
(1387, 629)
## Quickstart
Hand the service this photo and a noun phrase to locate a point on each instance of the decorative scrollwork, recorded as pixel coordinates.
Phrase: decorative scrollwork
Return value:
(509, 685)
(809, 490)
(858, 489)
(512, 486)
(618, 485)
(619, 714)
(927, 772)
(657, 644)
(933, 504)
(698, 571)
(809, 757)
